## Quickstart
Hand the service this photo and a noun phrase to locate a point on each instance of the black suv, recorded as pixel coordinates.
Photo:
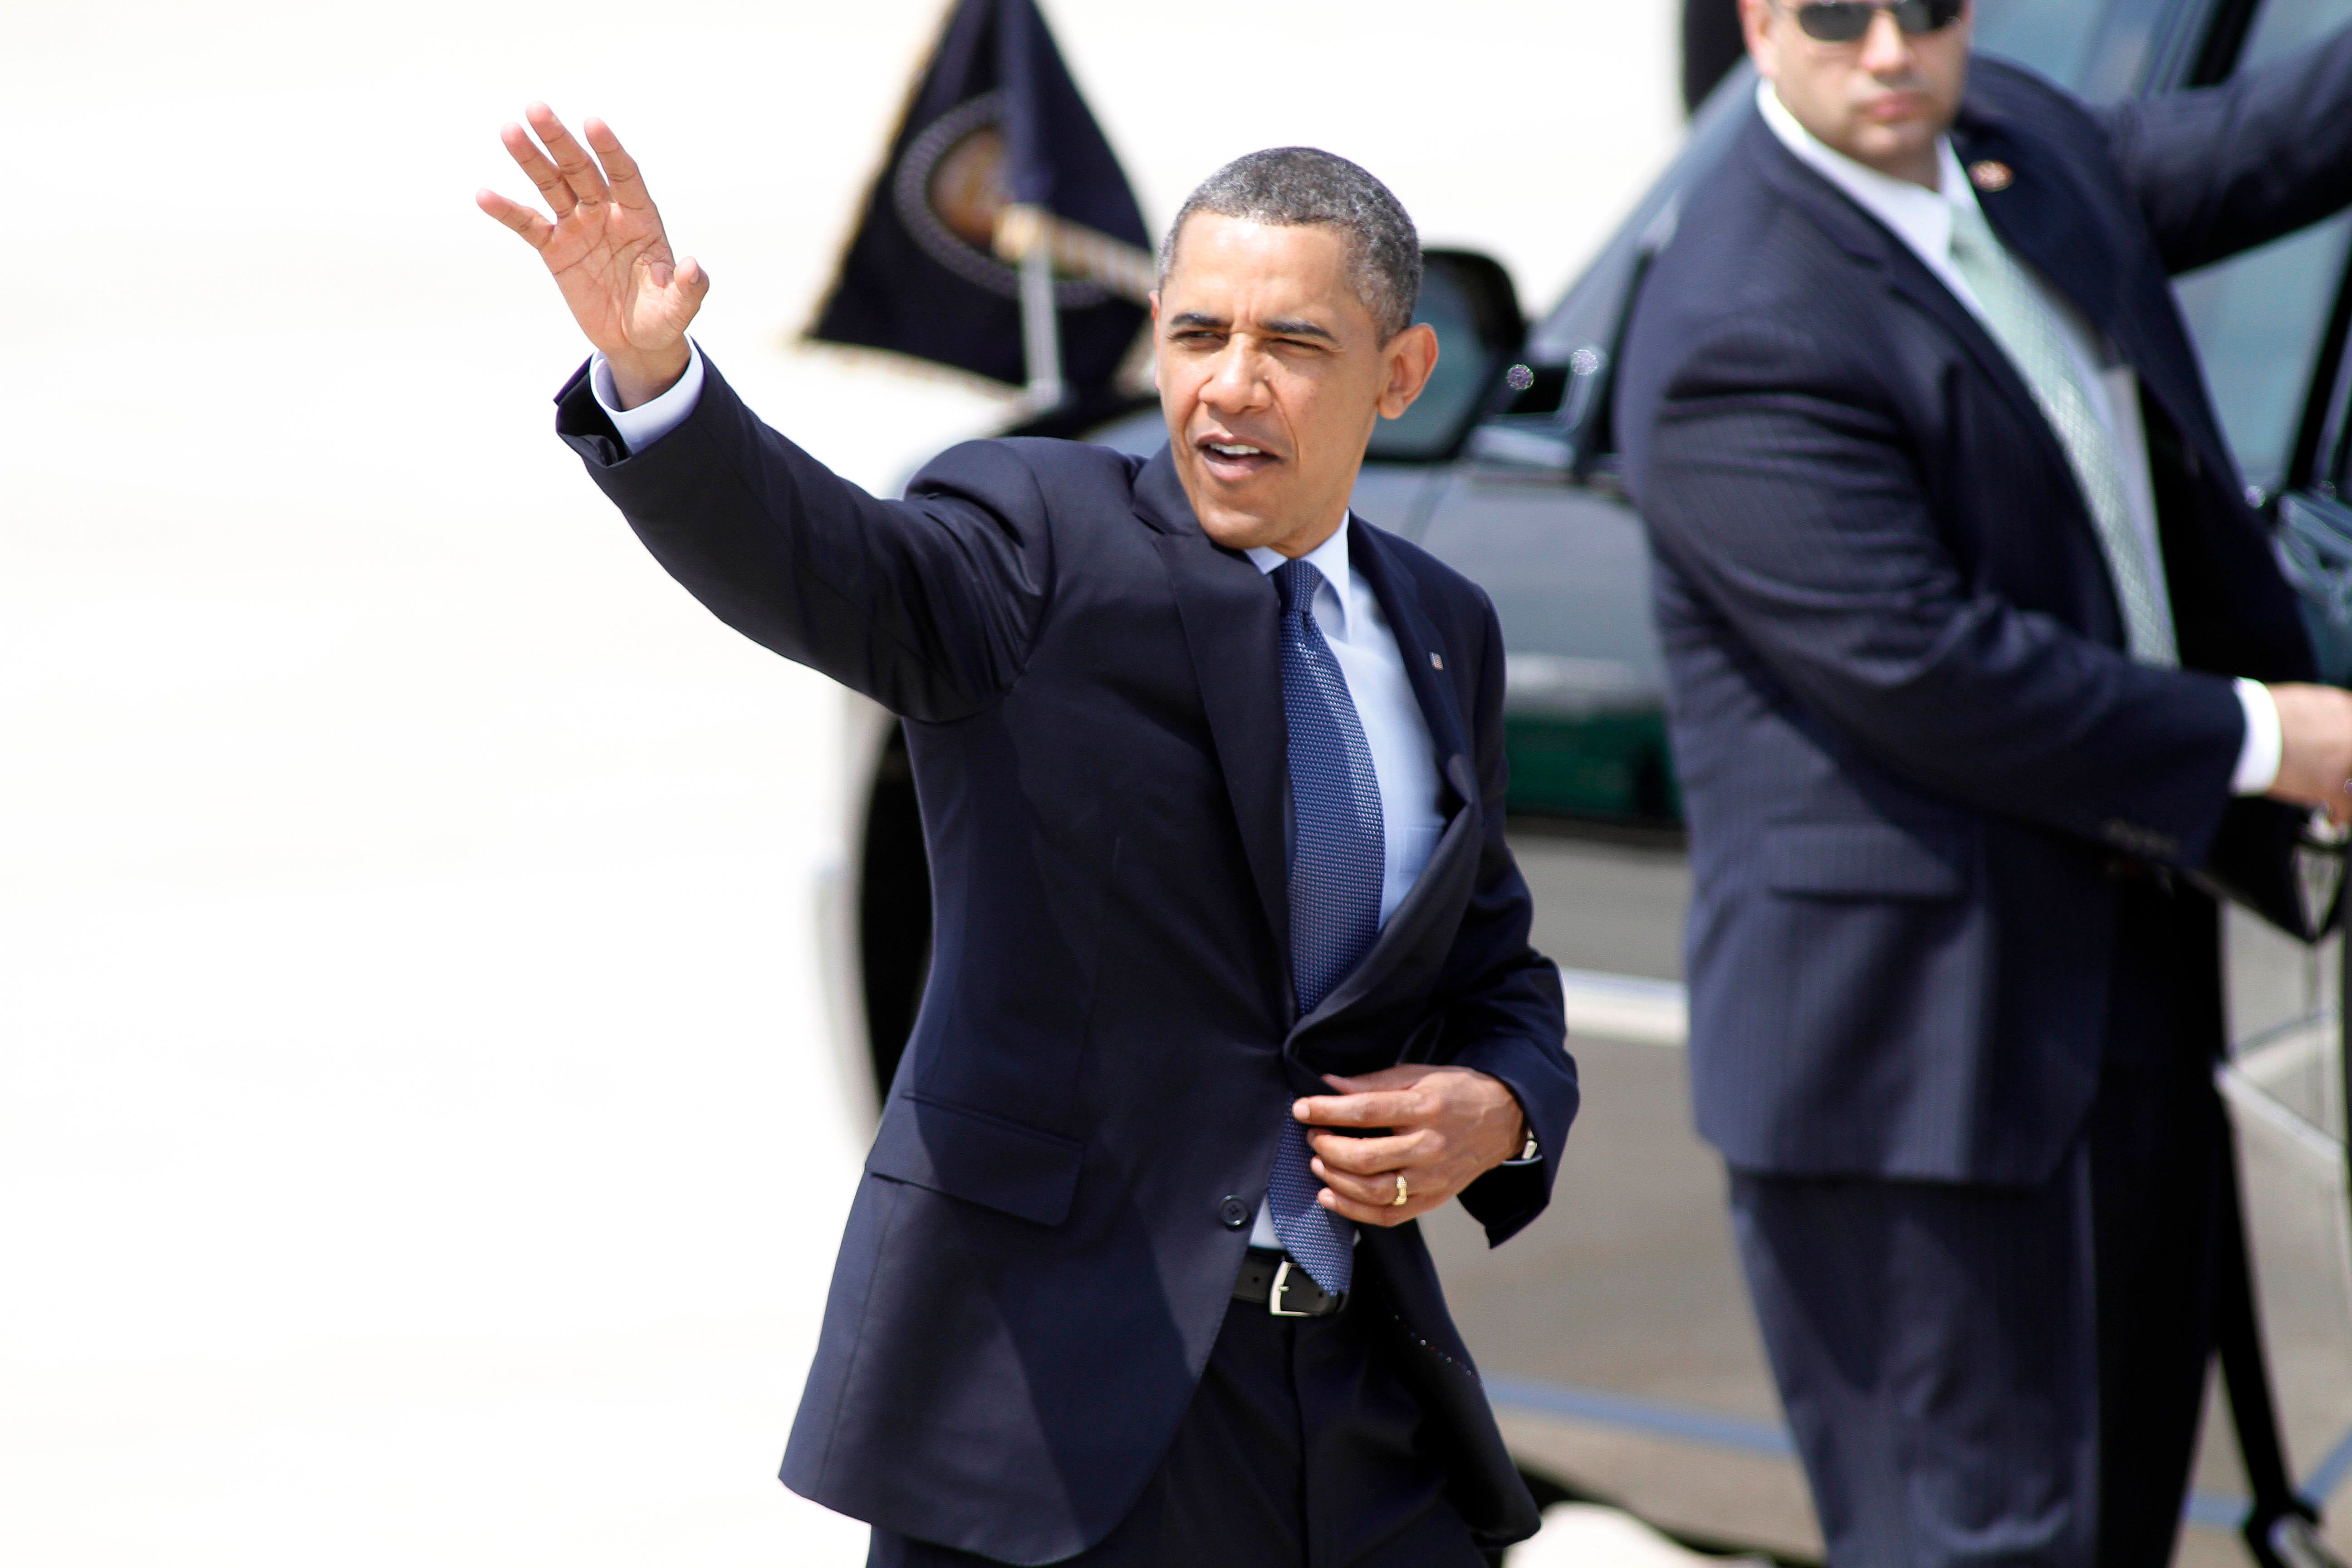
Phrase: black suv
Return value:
(1615, 1335)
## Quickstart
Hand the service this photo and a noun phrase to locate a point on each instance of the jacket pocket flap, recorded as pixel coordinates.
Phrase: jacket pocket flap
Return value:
(1862, 859)
(980, 1158)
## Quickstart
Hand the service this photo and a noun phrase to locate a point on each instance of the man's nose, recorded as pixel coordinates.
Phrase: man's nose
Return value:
(1885, 48)
(1235, 383)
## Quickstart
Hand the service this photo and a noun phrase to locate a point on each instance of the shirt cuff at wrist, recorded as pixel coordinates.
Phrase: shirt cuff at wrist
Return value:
(647, 423)
(2258, 759)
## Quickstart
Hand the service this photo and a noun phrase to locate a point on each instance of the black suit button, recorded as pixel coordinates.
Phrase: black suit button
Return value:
(1235, 1213)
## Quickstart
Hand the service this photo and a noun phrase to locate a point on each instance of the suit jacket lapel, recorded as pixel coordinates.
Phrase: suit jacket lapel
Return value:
(1405, 958)
(1232, 617)
(1421, 929)
(2040, 217)
(1868, 241)
(2045, 218)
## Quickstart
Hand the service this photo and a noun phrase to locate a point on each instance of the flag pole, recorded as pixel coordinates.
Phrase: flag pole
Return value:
(1032, 230)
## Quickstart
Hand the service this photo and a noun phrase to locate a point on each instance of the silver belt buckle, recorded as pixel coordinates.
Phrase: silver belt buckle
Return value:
(1274, 1297)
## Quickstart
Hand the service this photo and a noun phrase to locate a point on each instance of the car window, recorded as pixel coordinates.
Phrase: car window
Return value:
(1467, 366)
(2258, 318)
(2051, 38)
(2287, 26)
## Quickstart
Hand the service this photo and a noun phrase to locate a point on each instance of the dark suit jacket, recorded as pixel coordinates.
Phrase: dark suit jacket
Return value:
(1056, 1203)
(1911, 747)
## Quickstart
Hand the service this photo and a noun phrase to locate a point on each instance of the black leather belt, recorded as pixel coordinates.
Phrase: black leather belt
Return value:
(1277, 1282)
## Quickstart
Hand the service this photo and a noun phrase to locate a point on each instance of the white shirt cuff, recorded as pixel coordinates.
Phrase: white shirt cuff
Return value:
(647, 423)
(2258, 759)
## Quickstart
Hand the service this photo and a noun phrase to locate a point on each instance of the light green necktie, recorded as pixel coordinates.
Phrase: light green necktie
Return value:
(2027, 326)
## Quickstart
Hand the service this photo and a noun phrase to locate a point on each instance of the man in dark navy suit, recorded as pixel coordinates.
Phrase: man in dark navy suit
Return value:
(1979, 667)
(1230, 978)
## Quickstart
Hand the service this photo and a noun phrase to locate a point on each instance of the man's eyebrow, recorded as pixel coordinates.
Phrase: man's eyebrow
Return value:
(1283, 328)
(1298, 328)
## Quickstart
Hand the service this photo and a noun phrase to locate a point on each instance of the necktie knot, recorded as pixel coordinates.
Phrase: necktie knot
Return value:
(1972, 236)
(1297, 581)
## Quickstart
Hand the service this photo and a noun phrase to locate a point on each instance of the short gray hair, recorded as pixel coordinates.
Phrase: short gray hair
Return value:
(1293, 186)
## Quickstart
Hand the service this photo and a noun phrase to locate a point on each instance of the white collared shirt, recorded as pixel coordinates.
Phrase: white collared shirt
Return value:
(1921, 220)
(651, 420)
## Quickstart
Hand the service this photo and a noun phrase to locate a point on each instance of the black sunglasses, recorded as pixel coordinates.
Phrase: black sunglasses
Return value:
(1844, 21)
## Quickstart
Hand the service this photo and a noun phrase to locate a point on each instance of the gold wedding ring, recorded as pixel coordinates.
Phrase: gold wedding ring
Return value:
(1398, 1202)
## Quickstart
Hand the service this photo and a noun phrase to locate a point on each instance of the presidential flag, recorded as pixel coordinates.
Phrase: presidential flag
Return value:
(998, 169)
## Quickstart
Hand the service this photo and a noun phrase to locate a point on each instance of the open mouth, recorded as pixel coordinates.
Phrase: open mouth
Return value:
(1233, 459)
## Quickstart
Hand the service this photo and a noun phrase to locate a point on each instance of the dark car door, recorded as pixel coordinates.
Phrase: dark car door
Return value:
(2267, 321)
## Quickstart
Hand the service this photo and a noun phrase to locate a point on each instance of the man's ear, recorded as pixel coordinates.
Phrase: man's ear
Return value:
(1154, 298)
(1755, 26)
(1411, 355)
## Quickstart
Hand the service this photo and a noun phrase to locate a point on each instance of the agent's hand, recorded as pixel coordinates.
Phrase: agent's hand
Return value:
(606, 251)
(1444, 1128)
(2315, 747)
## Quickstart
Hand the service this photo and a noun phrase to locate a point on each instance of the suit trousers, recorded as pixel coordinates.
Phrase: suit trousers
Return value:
(1988, 1377)
(1299, 1451)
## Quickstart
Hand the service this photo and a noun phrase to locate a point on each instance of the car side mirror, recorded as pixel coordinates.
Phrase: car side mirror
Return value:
(1554, 415)
(1468, 299)
(1556, 419)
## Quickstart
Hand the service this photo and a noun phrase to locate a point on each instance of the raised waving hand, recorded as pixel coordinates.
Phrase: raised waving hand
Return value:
(605, 248)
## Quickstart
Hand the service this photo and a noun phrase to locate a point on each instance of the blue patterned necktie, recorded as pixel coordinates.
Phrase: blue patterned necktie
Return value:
(1338, 855)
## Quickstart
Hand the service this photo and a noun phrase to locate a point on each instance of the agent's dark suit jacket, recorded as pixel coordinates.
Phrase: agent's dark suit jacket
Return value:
(1909, 742)
(1051, 1221)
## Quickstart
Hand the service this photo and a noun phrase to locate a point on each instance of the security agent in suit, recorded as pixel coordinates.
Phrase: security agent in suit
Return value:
(1212, 775)
(1976, 655)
